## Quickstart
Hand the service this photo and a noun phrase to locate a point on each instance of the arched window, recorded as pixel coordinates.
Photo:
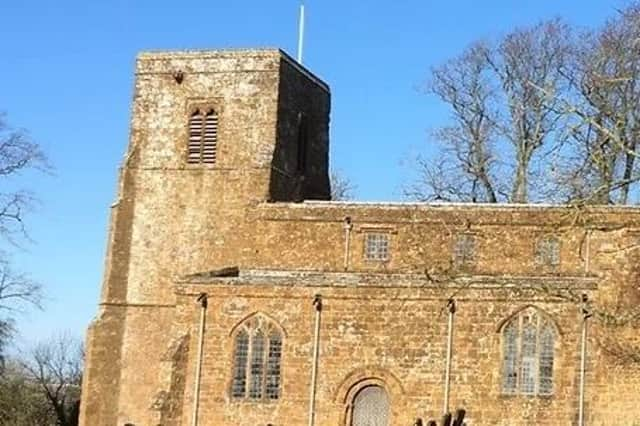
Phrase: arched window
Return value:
(256, 360)
(528, 353)
(203, 137)
(371, 407)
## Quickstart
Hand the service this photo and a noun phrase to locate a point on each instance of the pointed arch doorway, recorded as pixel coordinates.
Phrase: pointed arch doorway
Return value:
(370, 407)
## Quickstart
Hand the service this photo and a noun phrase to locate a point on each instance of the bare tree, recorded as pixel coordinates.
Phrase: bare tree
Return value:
(603, 108)
(342, 189)
(525, 60)
(18, 153)
(466, 170)
(17, 292)
(540, 115)
(500, 120)
(55, 367)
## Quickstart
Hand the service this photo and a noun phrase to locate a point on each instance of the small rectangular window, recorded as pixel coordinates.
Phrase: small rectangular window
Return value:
(548, 251)
(464, 250)
(376, 246)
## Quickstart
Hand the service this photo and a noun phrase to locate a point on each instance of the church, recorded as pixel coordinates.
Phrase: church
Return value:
(236, 293)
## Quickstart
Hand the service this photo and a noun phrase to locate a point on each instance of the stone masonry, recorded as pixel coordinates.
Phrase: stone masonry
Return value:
(255, 233)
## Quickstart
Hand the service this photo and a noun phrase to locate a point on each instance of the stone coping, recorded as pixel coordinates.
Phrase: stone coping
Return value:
(539, 215)
(458, 206)
(205, 54)
(291, 278)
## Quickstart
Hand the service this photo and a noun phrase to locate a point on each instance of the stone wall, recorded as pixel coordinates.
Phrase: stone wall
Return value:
(395, 336)
(387, 322)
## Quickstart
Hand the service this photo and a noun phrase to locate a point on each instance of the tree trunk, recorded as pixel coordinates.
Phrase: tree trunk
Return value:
(519, 194)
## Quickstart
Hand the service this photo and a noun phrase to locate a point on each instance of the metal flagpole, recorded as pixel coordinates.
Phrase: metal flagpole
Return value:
(301, 34)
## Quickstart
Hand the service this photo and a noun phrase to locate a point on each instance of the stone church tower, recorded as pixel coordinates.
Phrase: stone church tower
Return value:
(236, 294)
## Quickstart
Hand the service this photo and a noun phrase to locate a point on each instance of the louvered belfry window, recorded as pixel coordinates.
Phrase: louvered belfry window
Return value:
(256, 361)
(203, 137)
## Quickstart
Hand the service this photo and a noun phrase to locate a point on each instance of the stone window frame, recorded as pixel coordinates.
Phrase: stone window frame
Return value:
(192, 106)
(270, 328)
(544, 324)
(368, 231)
(544, 259)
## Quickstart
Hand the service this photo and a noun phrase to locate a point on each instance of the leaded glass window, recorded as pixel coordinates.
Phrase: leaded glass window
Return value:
(257, 365)
(257, 361)
(464, 250)
(272, 388)
(546, 360)
(510, 350)
(240, 357)
(528, 359)
(528, 341)
(548, 251)
(376, 246)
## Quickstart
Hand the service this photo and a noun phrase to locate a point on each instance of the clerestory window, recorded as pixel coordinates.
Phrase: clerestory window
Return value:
(548, 251)
(528, 341)
(256, 361)
(203, 137)
(464, 250)
(376, 246)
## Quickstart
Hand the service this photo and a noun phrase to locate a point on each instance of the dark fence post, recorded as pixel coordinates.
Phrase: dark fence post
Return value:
(446, 419)
(459, 420)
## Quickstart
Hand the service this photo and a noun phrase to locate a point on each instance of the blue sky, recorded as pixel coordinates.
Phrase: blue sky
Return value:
(66, 75)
